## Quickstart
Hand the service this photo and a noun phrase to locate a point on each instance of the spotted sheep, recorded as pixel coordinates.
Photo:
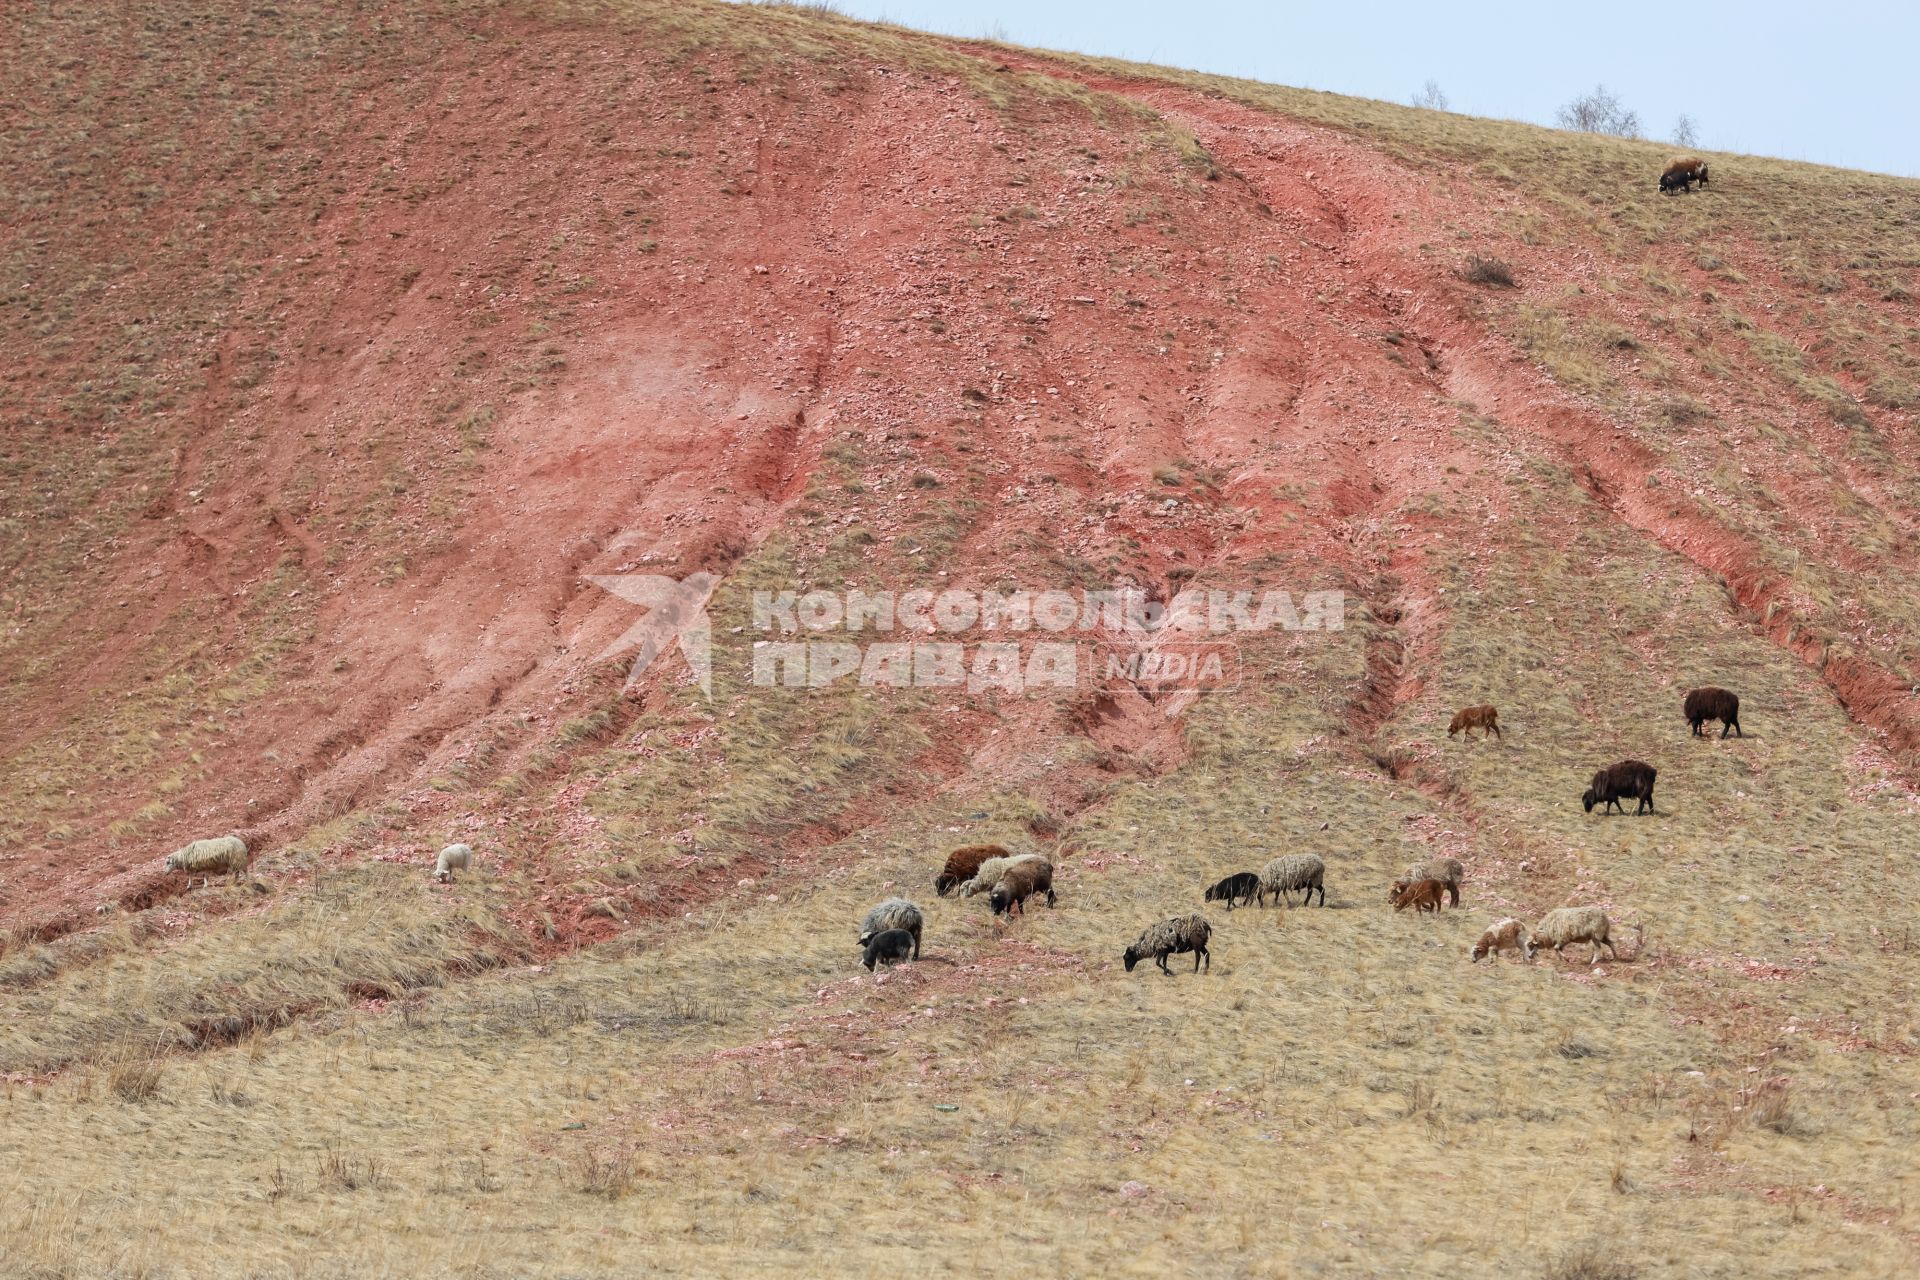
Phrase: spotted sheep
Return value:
(1682, 174)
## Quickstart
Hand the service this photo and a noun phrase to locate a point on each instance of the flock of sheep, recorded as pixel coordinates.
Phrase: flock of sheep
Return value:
(891, 931)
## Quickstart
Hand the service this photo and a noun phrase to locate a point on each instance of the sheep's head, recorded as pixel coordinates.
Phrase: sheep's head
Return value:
(1400, 886)
(173, 862)
(943, 884)
(1589, 799)
(1131, 957)
(1000, 899)
(1480, 950)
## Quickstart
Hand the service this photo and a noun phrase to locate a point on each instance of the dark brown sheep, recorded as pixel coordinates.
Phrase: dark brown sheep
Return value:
(1421, 895)
(1018, 883)
(962, 863)
(1485, 719)
(1710, 703)
(1630, 778)
(1682, 174)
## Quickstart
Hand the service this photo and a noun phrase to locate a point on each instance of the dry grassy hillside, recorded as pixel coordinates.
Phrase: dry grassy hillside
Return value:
(348, 345)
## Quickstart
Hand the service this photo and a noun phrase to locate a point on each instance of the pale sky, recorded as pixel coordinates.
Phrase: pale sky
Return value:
(1832, 82)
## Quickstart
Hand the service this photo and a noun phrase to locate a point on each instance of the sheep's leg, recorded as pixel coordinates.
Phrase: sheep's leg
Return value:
(1162, 958)
(1453, 895)
(1196, 959)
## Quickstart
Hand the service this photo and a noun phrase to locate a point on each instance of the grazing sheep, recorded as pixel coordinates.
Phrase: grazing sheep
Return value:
(1682, 174)
(890, 946)
(1558, 929)
(1295, 871)
(1421, 895)
(963, 863)
(1241, 884)
(455, 857)
(1629, 778)
(1504, 935)
(990, 872)
(1447, 871)
(1711, 703)
(1485, 719)
(894, 913)
(1020, 881)
(206, 858)
(1172, 937)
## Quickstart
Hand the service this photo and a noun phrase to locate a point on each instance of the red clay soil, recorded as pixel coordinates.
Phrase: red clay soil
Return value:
(577, 311)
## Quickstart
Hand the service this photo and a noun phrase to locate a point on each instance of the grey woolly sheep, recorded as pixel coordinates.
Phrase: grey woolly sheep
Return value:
(990, 872)
(1295, 871)
(1020, 881)
(1172, 937)
(1504, 935)
(1568, 925)
(205, 858)
(455, 857)
(1447, 871)
(890, 946)
(894, 913)
(963, 864)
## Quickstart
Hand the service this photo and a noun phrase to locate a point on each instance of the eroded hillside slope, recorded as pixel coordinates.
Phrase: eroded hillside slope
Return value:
(352, 345)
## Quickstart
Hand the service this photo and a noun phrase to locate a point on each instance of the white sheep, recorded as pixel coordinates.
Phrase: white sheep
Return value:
(1295, 871)
(455, 857)
(206, 858)
(991, 870)
(1567, 925)
(1504, 935)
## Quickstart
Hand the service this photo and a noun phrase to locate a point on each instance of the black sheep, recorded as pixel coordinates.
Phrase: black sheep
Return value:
(1629, 778)
(1244, 885)
(889, 946)
(1712, 703)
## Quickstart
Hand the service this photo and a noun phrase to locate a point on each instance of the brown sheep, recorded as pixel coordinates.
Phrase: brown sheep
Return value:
(1631, 778)
(1447, 871)
(961, 865)
(1485, 719)
(1682, 174)
(1711, 703)
(1421, 895)
(1018, 883)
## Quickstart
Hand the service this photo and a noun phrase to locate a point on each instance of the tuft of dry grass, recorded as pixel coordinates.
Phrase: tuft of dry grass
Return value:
(1492, 271)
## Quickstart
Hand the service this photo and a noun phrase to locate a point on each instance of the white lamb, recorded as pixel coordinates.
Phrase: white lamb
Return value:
(455, 857)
